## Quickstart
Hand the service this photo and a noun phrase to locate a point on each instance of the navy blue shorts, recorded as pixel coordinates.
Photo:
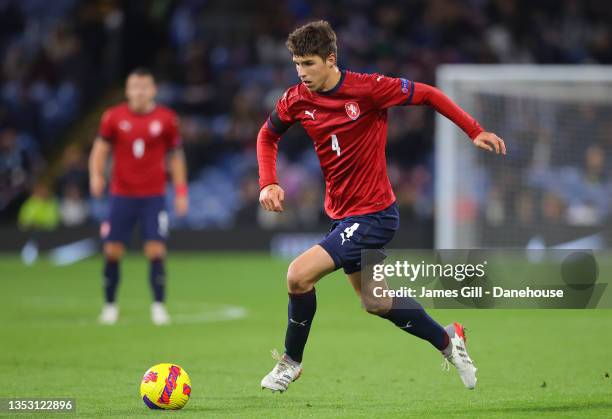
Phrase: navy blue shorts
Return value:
(125, 212)
(348, 236)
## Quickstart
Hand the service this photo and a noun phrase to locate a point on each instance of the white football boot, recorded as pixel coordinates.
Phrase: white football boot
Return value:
(284, 373)
(459, 356)
(159, 314)
(109, 314)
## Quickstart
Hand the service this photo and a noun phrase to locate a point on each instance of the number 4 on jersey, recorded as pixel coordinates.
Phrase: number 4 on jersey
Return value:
(138, 148)
(335, 144)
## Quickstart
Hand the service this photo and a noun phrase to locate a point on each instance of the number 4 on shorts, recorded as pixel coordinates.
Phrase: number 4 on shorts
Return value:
(348, 232)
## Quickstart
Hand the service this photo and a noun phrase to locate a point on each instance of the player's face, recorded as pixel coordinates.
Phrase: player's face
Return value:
(313, 71)
(140, 91)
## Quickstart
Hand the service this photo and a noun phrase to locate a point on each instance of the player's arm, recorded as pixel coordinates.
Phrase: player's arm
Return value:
(429, 95)
(97, 162)
(272, 195)
(176, 164)
(178, 172)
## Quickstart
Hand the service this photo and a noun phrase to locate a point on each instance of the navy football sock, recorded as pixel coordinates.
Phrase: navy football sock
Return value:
(409, 315)
(111, 280)
(157, 278)
(302, 308)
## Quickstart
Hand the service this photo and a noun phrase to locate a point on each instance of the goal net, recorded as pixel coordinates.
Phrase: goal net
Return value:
(554, 187)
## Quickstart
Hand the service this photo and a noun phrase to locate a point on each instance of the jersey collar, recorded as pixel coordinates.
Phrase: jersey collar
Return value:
(141, 113)
(336, 87)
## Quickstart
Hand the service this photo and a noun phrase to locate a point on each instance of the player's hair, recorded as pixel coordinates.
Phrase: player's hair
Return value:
(141, 71)
(314, 38)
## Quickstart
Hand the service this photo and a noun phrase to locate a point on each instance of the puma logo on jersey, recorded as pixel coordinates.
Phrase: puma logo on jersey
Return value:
(311, 114)
(379, 78)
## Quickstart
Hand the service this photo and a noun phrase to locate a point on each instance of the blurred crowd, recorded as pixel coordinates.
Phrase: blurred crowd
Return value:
(560, 171)
(223, 65)
(53, 66)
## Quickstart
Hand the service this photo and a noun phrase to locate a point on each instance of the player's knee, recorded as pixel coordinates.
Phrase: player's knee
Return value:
(154, 250)
(113, 251)
(298, 278)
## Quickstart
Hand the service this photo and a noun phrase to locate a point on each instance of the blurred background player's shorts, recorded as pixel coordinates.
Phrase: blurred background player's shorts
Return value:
(125, 212)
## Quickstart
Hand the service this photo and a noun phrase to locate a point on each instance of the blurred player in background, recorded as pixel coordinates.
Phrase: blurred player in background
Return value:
(345, 114)
(142, 137)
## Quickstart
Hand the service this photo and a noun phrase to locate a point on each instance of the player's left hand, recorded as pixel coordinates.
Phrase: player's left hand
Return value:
(181, 205)
(491, 142)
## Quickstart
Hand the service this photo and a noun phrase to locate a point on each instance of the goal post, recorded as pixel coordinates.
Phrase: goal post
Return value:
(554, 185)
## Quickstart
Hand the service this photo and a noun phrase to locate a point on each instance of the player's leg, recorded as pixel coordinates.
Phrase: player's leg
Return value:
(155, 252)
(303, 273)
(155, 231)
(115, 233)
(407, 314)
(373, 232)
(113, 252)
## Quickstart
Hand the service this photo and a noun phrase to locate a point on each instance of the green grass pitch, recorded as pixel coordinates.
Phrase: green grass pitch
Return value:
(531, 363)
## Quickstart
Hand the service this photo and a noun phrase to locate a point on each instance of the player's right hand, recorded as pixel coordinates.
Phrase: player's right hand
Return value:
(96, 186)
(491, 142)
(181, 205)
(272, 197)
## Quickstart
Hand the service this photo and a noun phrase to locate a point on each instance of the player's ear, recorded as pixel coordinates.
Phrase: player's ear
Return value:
(331, 60)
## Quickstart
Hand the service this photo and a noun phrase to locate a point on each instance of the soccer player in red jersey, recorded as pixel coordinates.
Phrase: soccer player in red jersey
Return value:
(140, 135)
(345, 114)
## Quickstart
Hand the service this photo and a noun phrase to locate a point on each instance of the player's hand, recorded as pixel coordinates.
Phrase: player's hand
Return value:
(96, 186)
(181, 205)
(272, 197)
(490, 142)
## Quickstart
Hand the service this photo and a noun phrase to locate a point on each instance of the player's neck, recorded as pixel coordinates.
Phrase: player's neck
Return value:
(332, 80)
(145, 109)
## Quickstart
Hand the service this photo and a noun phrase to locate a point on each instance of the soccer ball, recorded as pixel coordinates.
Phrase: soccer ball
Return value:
(165, 386)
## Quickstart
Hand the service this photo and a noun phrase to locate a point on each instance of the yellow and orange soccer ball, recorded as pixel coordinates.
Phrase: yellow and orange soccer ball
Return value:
(165, 386)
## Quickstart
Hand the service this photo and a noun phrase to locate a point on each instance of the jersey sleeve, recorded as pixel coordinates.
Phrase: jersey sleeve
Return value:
(390, 91)
(172, 134)
(107, 128)
(267, 151)
(269, 135)
(280, 118)
(424, 94)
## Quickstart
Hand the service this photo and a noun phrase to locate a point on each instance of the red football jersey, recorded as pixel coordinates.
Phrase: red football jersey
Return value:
(140, 143)
(348, 126)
